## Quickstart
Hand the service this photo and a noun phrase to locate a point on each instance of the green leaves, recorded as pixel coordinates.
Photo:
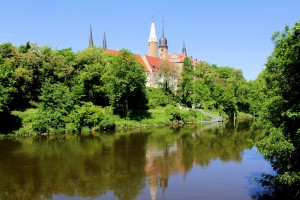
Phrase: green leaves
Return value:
(56, 103)
(125, 83)
(282, 78)
(7, 87)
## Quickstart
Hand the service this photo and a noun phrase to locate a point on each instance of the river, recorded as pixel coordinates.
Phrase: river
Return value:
(193, 162)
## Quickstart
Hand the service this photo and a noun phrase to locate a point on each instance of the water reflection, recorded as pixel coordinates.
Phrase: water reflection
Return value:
(123, 166)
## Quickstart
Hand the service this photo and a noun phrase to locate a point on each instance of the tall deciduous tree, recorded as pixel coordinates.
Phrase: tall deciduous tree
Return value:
(7, 87)
(125, 83)
(185, 87)
(168, 76)
(282, 147)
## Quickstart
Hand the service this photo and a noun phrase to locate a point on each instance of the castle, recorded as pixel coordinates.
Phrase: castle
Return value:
(157, 56)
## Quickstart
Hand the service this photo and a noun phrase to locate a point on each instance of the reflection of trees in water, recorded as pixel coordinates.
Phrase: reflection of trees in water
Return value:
(184, 150)
(226, 144)
(90, 167)
(83, 167)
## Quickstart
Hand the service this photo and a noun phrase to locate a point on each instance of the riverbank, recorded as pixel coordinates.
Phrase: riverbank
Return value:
(155, 117)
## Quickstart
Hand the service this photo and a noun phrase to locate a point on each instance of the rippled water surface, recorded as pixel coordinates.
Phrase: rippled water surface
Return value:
(193, 162)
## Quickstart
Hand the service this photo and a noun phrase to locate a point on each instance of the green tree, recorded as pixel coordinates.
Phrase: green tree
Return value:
(125, 83)
(258, 94)
(240, 89)
(91, 64)
(7, 50)
(25, 48)
(185, 88)
(282, 147)
(168, 76)
(56, 103)
(157, 97)
(201, 94)
(7, 87)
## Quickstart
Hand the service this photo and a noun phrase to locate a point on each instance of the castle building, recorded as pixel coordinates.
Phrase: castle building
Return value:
(163, 46)
(157, 59)
(152, 41)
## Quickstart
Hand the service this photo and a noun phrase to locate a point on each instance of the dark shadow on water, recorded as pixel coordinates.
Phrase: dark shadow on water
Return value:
(256, 191)
(9, 123)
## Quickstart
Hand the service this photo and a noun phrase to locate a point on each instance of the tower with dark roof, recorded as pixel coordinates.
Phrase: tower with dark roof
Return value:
(184, 49)
(163, 45)
(152, 41)
(104, 45)
(91, 43)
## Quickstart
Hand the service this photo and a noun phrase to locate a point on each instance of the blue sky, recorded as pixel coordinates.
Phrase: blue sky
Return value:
(227, 33)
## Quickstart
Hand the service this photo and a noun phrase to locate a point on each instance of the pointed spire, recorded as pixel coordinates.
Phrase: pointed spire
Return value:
(152, 37)
(163, 41)
(163, 28)
(104, 45)
(91, 43)
(184, 49)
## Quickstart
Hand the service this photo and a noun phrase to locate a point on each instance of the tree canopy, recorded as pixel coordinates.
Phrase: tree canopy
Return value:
(282, 113)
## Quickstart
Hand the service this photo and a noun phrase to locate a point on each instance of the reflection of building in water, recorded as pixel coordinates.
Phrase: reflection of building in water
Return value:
(160, 163)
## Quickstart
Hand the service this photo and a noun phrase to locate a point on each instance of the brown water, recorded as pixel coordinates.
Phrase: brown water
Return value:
(188, 163)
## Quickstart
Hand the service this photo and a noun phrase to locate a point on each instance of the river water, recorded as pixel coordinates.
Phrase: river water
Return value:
(193, 162)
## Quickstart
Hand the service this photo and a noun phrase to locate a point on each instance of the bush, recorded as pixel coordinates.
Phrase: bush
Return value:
(91, 116)
(108, 123)
(157, 97)
(173, 113)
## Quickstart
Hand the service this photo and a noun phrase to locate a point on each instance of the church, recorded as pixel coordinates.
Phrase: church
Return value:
(157, 56)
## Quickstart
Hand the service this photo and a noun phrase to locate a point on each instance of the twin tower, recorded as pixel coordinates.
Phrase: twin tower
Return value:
(156, 49)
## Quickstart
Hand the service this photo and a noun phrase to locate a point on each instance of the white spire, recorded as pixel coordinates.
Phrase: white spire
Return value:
(152, 37)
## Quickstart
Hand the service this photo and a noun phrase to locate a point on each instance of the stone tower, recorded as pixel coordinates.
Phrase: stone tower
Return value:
(91, 43)
(163, 45)
(152, 41)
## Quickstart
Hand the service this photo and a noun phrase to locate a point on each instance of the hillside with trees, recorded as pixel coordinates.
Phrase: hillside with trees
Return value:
(46, 90)
(67, 91)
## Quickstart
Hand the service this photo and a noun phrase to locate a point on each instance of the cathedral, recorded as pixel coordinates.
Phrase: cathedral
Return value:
(157, 53)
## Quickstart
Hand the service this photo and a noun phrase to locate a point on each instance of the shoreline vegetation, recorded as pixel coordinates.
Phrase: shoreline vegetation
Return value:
(46, 91)
(158, 117)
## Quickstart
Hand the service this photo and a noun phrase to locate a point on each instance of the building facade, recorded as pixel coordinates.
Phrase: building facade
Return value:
(157, 60)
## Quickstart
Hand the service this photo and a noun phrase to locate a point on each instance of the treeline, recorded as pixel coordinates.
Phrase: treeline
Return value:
(217, 88)
(70, 90)
(63, 91)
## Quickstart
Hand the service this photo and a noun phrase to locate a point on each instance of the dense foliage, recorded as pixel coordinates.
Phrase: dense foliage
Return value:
(62, 91)
(69, 90)
(216, 88)
(281, 113)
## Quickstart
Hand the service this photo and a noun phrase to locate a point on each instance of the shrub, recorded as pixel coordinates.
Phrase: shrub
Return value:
(173, 113)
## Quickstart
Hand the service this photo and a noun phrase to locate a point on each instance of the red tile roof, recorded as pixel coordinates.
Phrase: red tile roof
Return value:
(110, 51)
(179, 56)
(140, 60)
(138, 57)
(154, 63)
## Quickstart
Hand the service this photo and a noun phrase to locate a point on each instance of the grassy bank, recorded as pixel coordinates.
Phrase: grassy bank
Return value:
(156, 117)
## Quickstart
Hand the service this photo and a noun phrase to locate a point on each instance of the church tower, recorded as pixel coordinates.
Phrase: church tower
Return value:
(104, 45)
(163, 45)
(152, 41)
(184, 49)
(91, 43)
